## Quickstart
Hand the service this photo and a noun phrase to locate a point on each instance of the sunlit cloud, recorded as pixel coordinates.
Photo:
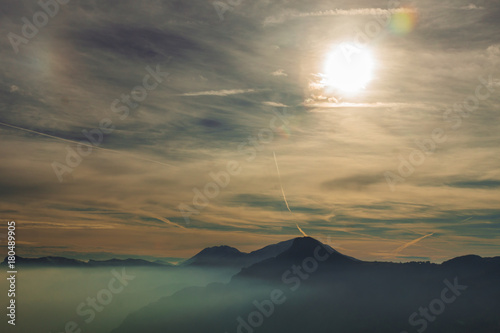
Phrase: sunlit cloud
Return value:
(472, 6)
(237, 93)
(221, 92)
(279, 72)
(326, 105)
(275, 104)
(288, 15)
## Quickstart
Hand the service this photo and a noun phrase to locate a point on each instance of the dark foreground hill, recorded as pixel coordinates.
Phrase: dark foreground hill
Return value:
(309, 287)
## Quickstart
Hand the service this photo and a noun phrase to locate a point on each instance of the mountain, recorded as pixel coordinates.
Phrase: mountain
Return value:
(46, 262)
(65, 262)
(217, 256)
(124, 262)
(310, 287)
(299, 249)
(226, 256)
(270, 251)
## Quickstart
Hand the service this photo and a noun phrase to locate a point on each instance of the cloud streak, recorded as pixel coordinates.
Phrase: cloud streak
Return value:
(334, 12)
(221, 92)
(86, 145)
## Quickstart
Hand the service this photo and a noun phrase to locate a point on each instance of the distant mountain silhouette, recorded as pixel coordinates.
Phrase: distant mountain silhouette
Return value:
(310, 287)
(65, 262)
(226, 256)
(47, 262)
(216, 256)
(125, 262)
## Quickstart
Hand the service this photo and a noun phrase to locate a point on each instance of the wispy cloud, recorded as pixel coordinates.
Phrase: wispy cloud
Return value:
(326, 105)
(472, 6)
(275, 104)
(215, 108)
(477, 184)
(288, 15)
(86, 145)
(279, 72)
(221, 92)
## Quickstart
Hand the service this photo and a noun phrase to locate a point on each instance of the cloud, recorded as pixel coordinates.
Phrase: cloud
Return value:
(275, 104)
(293, 14)
(279, 72)
(221, 92)
(325, 105)
(332, 150)
(86, 144)
(472, 7)
(493, 50)
(353, 183)
(476, 184)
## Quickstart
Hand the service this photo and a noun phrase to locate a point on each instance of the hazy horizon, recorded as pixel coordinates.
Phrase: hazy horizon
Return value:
(179, 261)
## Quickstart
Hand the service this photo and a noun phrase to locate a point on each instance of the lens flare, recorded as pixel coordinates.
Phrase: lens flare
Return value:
(404, 21)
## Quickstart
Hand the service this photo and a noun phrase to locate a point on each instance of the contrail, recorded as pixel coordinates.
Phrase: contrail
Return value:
(404, 246)
(83, 144)
(377, 237)
(284, 196)
(167, 221)
(301, 231)
(279, 177)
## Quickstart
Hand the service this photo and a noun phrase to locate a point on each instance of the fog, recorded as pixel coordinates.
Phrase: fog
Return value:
(47, 298)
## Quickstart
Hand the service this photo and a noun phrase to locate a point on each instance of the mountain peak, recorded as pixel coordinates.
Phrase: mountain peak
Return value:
(221, 249)
(229, 256)
(306, 240)
(216, 256)
(307, 245)
(469, 259)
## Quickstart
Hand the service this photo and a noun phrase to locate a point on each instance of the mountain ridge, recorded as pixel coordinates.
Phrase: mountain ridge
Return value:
(321, 288)
(54, 261)
(230, 256)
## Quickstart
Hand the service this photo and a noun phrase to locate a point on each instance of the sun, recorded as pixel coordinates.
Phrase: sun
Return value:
(348, 68)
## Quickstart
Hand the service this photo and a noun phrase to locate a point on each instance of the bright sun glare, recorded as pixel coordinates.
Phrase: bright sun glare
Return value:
(348, 68)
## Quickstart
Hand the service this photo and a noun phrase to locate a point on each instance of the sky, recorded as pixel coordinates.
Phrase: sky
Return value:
(222, 123)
